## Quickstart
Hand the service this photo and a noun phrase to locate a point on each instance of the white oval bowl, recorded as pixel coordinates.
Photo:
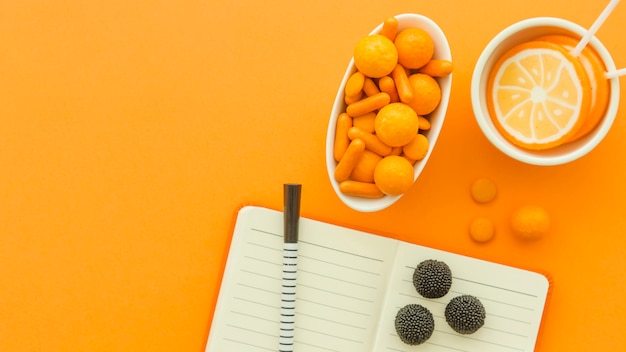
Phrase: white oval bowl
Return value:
(524, 31)
(442, 51)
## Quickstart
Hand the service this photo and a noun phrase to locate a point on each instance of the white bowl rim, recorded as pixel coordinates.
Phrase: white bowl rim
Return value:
(441, 52)
(588, 142)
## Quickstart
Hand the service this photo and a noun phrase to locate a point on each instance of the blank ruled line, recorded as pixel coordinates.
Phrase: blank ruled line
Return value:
(332, 321)
(249, 344)
(495, 286)
(258, 303)
(334, 307)
(483, 341)
(262, 245)
(263, 260)
(342, 251)
(509, 318)
(266, 232)
(339, 265)
(317, 346)
(251, 330)
(338, 294)
(446, 347)
(273, 321)
(343, 338)
(505, 332)
(262, 275)
(433, 344)
(256, 288)
(428, 342)
(339, 279)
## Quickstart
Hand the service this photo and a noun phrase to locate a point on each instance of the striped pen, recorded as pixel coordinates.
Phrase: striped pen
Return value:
(291, 216)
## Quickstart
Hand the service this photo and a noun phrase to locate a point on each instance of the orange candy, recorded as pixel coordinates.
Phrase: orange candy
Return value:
(354, 85)
(365, 122)
(483, 190)
(396, 124)
(368, 104)
(530, 222)
(388, 86)
(344, 122)
(349, 160)
(427, 93)
(390, 28)
(417, 148)
(482, 229)
(401, 80)
(364, 169)
(415, 47)
(372, 142)
(360, 189)
(394, 175)
(437, 68)
(375, 55)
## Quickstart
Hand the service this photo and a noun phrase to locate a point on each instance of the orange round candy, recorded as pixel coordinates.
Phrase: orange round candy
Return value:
(417, 148)
(415, 47)
(393, 175)
(396, 124)
(530, 222)
(375, 55)
(483, 190)
(426, 93)
(482, 229)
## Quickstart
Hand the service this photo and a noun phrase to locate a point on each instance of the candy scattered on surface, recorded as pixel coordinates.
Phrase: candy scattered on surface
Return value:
(530, 222)
(482, 229)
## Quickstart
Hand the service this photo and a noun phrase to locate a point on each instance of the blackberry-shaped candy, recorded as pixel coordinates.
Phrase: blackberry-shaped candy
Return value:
(414, 324)
(432, 278)
(465, 314)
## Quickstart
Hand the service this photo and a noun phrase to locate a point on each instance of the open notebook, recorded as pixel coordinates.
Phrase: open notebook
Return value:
(351, 284)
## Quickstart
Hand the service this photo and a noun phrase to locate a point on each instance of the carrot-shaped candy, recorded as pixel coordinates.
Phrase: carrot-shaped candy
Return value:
(365, 122)
(423, 123)
(360, 189)
(390, 28)
(348, 161)
(387, 85)
(437, 68)
(349, 99)
(405, 91)
(369, 87)
(368, 104)
(372, 143)
(354, 85)
(344, 122)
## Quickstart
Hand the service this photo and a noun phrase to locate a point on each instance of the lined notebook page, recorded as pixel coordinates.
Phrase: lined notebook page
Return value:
(340, 287)
(350, 287)
(514, 300)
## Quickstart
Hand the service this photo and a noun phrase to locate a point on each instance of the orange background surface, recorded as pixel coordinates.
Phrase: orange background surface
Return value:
(133, 131)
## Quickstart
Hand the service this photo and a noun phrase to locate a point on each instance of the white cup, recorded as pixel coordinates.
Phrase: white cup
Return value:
(524, 31)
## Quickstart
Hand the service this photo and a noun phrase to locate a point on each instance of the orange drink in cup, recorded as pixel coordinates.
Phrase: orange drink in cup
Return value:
(538, 102)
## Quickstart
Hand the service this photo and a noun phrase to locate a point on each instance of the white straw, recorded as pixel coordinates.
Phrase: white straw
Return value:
(594, 28)
(616, 73)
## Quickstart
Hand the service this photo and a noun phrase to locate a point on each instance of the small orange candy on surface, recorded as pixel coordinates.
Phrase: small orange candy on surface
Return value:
(530, 222)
